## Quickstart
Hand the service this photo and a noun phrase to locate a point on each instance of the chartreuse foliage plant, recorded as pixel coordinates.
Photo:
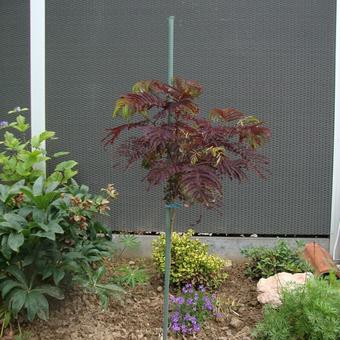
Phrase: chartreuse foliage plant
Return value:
(190, 261)
(20, 157)
(265, 262)
(182, 149)
(307, 312)
(49, 234)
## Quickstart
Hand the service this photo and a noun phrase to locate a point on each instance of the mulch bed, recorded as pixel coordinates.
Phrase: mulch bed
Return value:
(139, 314)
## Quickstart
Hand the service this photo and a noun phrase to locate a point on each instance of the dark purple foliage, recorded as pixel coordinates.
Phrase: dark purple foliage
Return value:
(177, 146)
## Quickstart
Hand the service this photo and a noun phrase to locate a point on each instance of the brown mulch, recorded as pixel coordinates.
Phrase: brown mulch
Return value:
(139, 314)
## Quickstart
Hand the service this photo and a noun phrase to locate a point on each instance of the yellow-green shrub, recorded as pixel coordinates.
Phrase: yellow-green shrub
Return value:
(190, 261)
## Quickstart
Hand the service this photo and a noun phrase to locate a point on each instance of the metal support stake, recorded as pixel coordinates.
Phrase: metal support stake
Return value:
(168, 222)
(169, 208)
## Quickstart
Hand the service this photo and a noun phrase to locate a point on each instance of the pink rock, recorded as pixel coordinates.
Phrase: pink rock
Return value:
(269, 289)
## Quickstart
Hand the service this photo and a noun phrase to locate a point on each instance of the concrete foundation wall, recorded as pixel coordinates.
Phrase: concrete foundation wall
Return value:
(228, 247)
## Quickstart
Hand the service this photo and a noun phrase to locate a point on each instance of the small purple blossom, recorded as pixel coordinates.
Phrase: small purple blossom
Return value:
(190, 301)
(175, 317)
(3, 124)
(175, 327)
(196, 328)
(188, 288)
(202, 288)
(207, 303)
(184, 329)
(180, 300)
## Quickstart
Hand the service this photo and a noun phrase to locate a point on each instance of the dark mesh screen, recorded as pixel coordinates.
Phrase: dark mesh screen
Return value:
(14, 56)
(273, 58)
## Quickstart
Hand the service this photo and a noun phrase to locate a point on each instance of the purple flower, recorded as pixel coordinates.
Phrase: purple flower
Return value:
(175, 327)
(207, 303)
(201, 288)
(184, 329)
(3, 124)
(188, 288)
(180, 300)
(197, 328)
(175, 317)
(192, 305)
(190, 301)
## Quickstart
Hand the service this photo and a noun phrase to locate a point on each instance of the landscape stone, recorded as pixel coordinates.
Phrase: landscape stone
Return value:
(269, 289)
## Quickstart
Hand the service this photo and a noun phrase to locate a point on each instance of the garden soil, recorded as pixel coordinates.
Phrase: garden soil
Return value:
(138, 315)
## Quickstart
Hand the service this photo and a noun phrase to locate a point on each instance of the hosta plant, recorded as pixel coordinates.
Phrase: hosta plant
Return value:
(181, 148)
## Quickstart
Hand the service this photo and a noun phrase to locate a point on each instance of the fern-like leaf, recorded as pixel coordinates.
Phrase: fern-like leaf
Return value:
(132, 103)
(201, 183)
(225, 115)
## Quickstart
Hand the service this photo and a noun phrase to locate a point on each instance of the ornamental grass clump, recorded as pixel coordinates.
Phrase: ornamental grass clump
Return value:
(191, 309)
(190, 261)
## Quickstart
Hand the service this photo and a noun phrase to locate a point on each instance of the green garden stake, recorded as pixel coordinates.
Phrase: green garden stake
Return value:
(169, 208)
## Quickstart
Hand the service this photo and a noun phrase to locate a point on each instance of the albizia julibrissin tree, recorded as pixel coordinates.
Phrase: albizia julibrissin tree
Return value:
(187, 152)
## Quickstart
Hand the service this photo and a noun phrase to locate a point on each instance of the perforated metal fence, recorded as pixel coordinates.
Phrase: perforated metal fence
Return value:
(273, 58)
(14, 55)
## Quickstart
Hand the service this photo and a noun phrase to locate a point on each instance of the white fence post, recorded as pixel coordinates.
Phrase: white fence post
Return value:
(37, 67)
(335, 214)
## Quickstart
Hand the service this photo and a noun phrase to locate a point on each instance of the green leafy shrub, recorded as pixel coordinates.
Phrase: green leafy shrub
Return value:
(131, 276)
(48, 226)
(307, 312)
(265, 262)
(21, 157)
(190, 261)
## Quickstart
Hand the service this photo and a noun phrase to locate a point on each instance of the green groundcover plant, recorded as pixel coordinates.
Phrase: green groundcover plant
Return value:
(265, 262)
(191, 262)
(49, 234)
(310, 312)
(131, 276)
